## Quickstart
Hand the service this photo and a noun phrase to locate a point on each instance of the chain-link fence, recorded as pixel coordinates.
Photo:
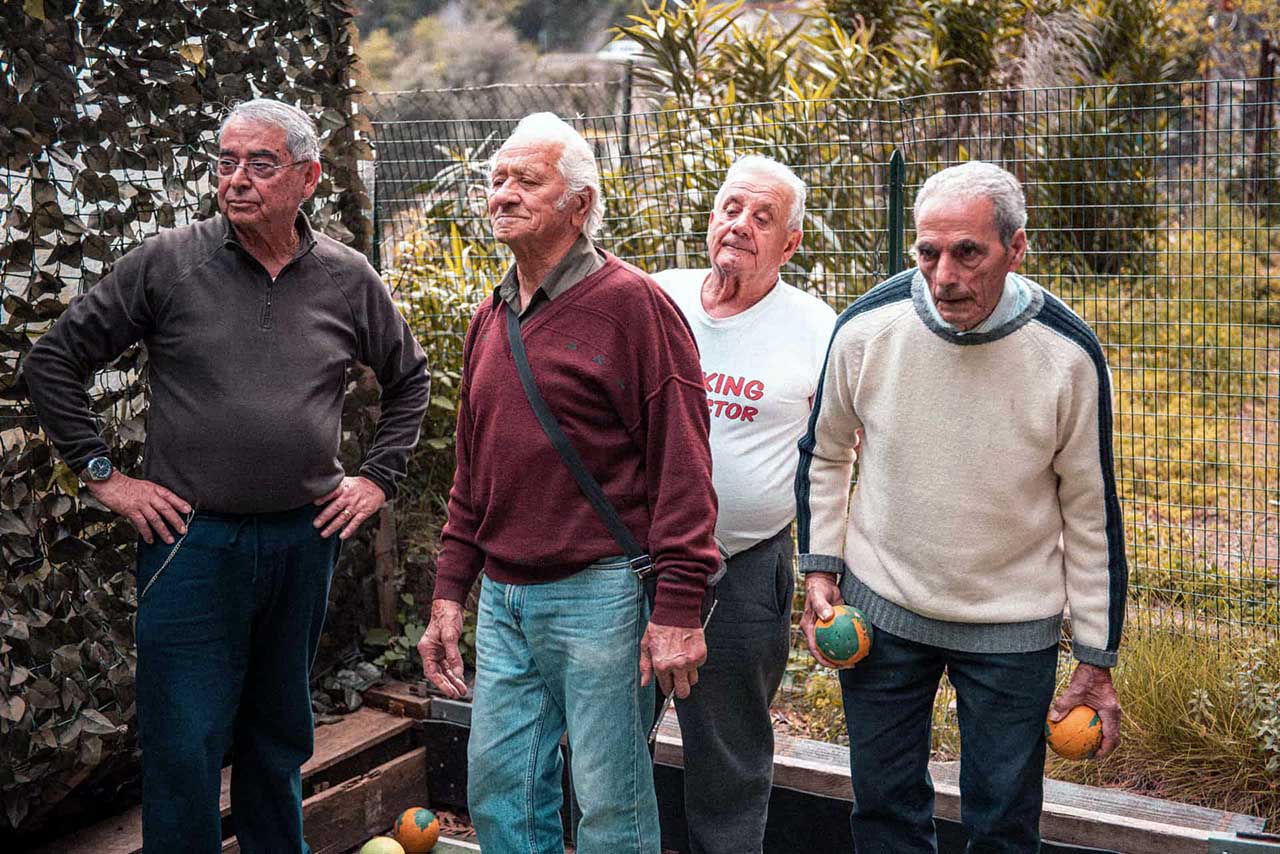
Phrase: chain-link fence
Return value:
(1152, 213)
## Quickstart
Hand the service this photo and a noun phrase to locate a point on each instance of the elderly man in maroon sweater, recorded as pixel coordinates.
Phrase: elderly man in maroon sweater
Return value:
(561, 638)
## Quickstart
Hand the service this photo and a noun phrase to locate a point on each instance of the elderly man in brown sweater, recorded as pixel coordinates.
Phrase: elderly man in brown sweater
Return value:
(564, 637)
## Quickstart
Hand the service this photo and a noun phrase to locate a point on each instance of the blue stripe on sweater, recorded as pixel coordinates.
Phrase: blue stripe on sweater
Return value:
(893, 289)
(1064, 321)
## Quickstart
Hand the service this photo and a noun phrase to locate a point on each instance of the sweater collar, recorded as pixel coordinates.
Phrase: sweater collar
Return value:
(306, 235)
(580, 261)
(1020, 301)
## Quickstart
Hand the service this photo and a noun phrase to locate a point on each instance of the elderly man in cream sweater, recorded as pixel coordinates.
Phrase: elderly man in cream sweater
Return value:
(985, 503)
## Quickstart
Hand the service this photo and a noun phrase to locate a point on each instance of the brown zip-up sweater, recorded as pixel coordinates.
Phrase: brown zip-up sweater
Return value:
(247, 375)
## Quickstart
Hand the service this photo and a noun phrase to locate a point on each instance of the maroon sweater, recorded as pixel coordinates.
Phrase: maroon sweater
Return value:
(617, 365)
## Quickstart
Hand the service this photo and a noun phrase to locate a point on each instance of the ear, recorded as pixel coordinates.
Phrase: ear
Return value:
(582, 202)
(312, 179)
(793, 243)
(1017, 249)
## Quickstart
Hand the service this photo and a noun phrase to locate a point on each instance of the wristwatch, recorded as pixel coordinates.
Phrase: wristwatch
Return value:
(98, 469)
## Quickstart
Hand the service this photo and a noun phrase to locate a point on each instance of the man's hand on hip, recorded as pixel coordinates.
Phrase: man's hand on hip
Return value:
(348, 506)
(673, 654)
(438, 648)
(821, 595)
(1091, 686)
(153, 510)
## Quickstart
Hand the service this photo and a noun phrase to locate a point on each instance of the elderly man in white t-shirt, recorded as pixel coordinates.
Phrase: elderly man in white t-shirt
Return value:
(763, 343)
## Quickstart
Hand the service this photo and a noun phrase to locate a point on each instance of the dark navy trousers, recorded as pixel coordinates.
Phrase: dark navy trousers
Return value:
(226, 635)
(725, 723)
(1001, 704)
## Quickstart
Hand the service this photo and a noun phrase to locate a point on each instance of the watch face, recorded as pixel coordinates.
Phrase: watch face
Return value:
(99, 468)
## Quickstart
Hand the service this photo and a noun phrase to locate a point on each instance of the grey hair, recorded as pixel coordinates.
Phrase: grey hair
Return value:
(981, 179)
(577, 163)
(299, 131)
(758, 164)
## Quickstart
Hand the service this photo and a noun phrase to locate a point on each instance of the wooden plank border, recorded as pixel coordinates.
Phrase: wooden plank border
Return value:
(1073, 814)
(348, 814)
(360, 731)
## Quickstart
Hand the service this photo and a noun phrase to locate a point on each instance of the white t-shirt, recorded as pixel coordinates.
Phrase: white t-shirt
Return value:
(761, 370)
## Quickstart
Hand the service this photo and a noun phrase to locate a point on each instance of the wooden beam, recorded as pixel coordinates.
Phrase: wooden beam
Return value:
(348, 814)
(385, 560)
(1072, 815)
(400, 698)
(454, 846)
(357, 732)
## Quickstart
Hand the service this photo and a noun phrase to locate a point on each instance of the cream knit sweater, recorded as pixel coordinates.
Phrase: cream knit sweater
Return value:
(985, 497)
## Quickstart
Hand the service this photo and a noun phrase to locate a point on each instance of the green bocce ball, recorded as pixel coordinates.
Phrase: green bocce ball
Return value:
(844, 639)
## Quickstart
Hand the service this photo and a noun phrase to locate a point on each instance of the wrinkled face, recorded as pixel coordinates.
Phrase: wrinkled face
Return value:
(253, 203)
(527, 201)
(747, 234)
(964, 263)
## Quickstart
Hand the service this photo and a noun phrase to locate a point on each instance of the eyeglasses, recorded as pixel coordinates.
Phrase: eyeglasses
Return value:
(261, 169)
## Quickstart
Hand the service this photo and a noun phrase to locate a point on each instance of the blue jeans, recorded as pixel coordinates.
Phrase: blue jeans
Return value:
(226, 636)
(1001, 703)
(550, 658)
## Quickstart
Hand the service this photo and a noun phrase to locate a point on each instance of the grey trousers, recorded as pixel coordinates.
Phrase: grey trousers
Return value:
(725, 723)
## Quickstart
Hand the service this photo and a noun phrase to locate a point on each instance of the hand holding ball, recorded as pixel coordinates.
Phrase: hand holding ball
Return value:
(1076, 736)
(844, 639)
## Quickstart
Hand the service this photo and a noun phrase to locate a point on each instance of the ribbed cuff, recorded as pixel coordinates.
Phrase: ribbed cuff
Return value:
(78, 462)
(822, 563)
(387, 489)
(1092, 655)
(453, 589)
(676, 605)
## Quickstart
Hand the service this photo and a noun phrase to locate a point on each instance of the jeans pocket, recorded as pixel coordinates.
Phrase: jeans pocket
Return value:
(148, 558)
(153, 560)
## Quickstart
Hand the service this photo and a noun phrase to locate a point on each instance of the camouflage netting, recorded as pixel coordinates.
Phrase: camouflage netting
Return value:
(108, 117)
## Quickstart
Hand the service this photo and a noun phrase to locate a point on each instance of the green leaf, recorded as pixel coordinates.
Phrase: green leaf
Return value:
(35, 9)
(377, 637)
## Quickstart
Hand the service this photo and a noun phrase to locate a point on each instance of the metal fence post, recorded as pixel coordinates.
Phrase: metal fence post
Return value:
(369, 174)
(627, 80)
(897, 179)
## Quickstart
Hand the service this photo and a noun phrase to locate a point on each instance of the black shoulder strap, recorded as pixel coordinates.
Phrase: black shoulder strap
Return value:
(641, 563)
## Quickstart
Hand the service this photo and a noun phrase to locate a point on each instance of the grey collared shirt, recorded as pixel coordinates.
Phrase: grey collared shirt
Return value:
(580, 261)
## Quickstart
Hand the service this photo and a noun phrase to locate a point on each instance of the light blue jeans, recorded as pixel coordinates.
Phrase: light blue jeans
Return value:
(551, 657)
